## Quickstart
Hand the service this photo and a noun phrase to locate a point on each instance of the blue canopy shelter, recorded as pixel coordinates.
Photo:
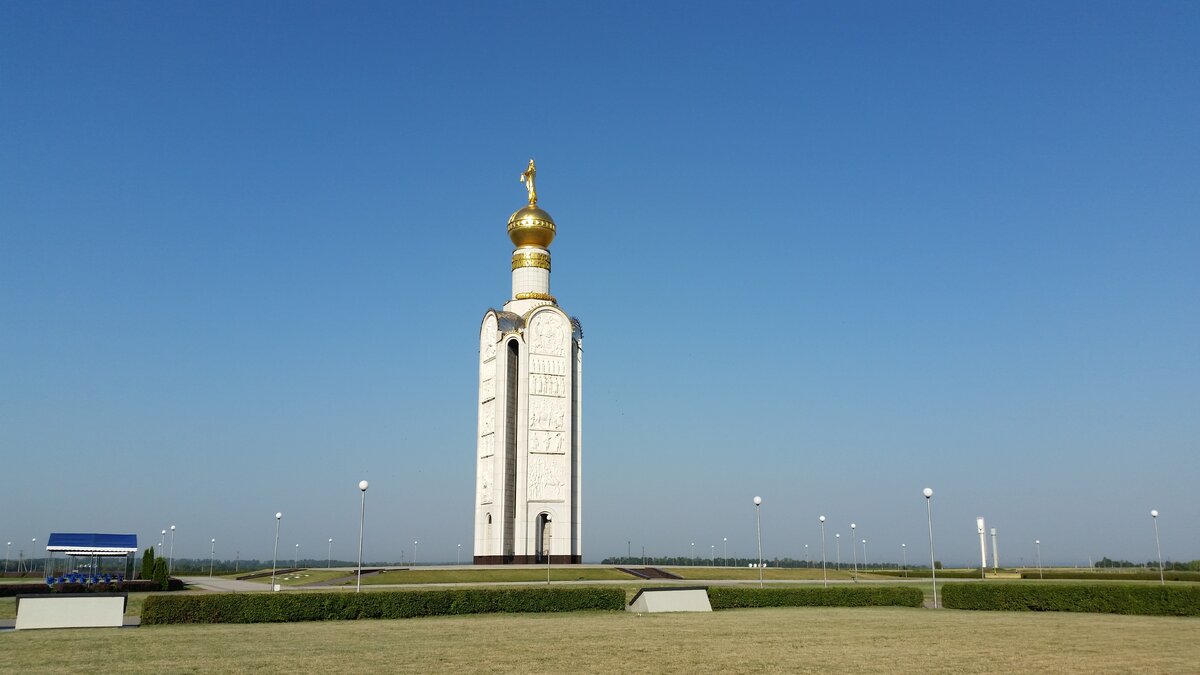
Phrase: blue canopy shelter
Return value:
(93, 546)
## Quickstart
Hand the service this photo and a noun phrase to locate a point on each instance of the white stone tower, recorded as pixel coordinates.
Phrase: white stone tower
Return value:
(527, 485)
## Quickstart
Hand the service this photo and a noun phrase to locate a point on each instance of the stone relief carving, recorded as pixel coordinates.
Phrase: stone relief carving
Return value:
(487, 445)
(546, 413)
(547, 334)
(485, 480)
(487, 411)
(547, 478)
(547, 442)
(549, 366)
(547, 385)
(488, 339)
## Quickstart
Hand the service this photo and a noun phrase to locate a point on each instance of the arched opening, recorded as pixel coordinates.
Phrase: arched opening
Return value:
(512, 377)
(545, 537)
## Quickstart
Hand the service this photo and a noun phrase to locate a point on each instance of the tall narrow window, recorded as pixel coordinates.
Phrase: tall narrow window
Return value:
(510, 445)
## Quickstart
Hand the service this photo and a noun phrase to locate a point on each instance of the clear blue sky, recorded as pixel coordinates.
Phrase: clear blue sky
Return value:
(825, 254)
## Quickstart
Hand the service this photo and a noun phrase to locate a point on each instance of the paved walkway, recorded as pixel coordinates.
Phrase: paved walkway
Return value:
(225, 584)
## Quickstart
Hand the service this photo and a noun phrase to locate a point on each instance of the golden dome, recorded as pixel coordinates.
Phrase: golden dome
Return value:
(531, 226)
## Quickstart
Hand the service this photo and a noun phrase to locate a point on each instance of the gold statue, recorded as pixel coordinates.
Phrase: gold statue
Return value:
(527, 179)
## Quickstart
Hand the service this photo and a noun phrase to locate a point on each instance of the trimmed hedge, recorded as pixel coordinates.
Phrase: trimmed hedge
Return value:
(1119, 576)
(1100, 598)
(340, 606)
(128, 586)
(731, 597)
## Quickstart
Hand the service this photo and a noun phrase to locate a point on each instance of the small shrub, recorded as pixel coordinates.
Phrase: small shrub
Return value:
(730, 597)
(1101, 598)
(284, 607)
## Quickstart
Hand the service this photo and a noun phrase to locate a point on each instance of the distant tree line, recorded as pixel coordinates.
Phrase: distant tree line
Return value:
(684, 561)
(1193, 566)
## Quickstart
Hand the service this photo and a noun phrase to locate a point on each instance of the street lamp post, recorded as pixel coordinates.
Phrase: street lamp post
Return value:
(162, 538)
(725, 551)
(415, 553)
(171, 557)
(296, 557)
(1038, 543)
(928, 492)
(212, 556)
(1154, 516)
(824, 574)
(854, 551)
(904, 558)
(837, 540)
(758, 531)
(362, 519)
(864, 555)
(329, 554)
(806, 558)
(7, 554)
(459, 561)
(275, 553)
(692, 562)
(712, 554)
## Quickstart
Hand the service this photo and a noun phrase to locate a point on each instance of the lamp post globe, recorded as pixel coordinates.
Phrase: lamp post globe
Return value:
(362, 485)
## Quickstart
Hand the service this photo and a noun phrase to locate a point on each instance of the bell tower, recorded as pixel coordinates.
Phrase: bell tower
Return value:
(527, 484)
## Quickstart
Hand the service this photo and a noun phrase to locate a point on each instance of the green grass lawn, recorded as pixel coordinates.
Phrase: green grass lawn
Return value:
(773, 573)
(450, 576)
(877, 640)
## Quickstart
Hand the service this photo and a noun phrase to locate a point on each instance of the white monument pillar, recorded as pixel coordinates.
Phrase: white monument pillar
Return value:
(528, 489)
(982, 543)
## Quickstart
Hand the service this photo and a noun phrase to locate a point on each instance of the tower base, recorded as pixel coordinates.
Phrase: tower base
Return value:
(527, 560)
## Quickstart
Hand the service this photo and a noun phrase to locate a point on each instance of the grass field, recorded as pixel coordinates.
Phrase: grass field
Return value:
(771, 640)
(770, 573)
(452, 576)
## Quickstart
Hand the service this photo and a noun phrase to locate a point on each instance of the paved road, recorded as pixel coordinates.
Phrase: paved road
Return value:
(224, 584)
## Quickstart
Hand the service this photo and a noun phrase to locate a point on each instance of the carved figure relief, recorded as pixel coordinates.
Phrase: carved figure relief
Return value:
(549, 366)
(547, 334)
(485, 480)
(488, 339)
(488, 412)
(547, 442)
(547, 385)
(547, 478)
(546, 413)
